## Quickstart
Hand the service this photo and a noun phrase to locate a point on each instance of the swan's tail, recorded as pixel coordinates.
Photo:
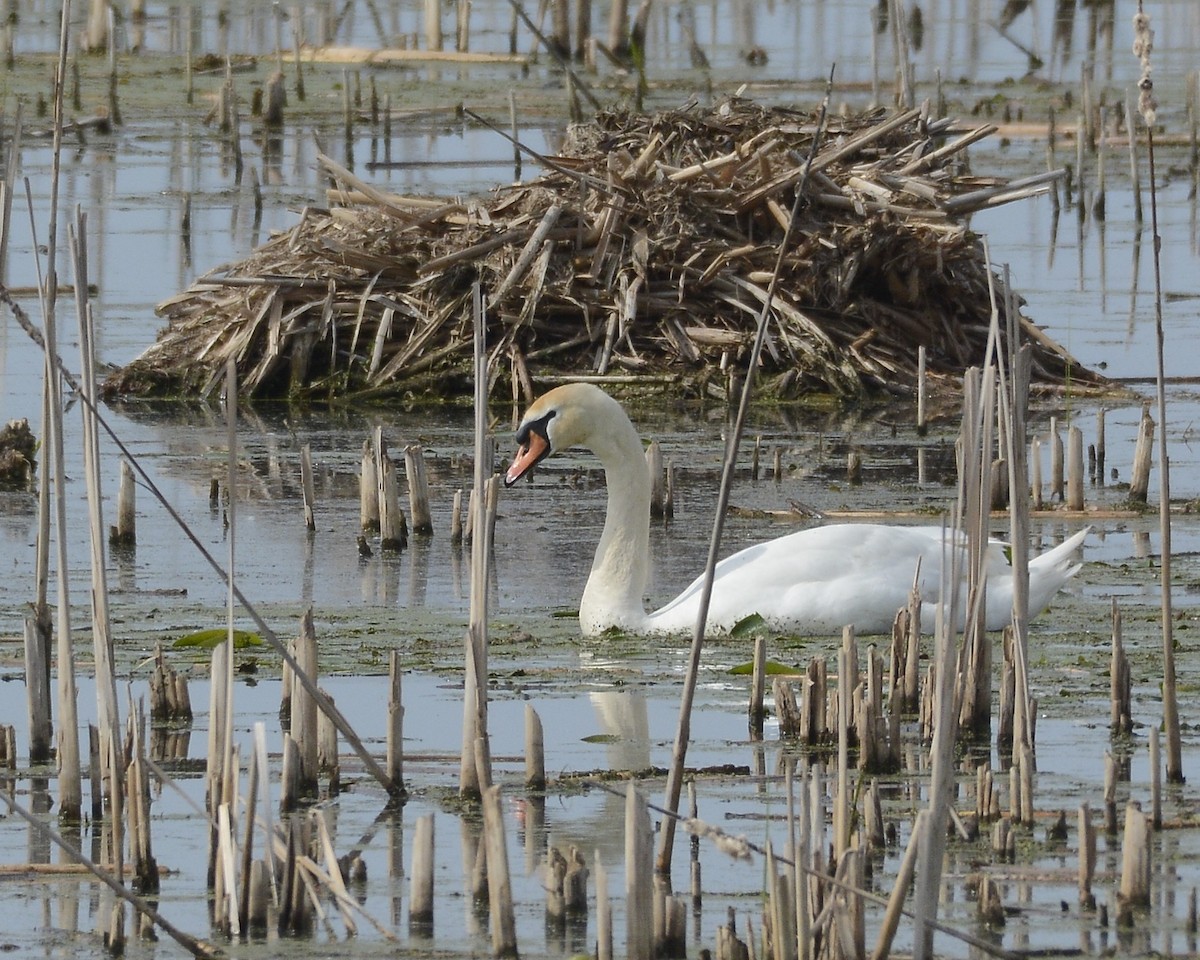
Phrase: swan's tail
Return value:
(1049, 571)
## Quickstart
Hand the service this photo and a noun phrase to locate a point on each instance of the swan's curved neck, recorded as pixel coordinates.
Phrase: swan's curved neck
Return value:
(613, 595)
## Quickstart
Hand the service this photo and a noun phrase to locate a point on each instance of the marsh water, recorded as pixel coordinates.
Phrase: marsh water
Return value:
(610, 705)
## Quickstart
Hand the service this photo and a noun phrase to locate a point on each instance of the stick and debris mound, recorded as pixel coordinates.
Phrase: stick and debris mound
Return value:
(642, 255)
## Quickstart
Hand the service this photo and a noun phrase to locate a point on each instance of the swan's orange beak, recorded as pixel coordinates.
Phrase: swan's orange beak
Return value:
(535, 449)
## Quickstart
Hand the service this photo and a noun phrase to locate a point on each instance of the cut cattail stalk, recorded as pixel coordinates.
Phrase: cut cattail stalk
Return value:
(456, 520)
(500, 901)
(989, 905)
(658, 490)
(395, 739)
(304, 725)
(669, 500)
(1139, 479)
(1056, 461)
(1135, 858)
(787, 713)
(535, 757)
(393, 527)
(1110, 794)
(1035, 472)
(1087, 858)
(639, 868)
(306, 485)
(37, 689)
(1120, 680)
(854, 467)
(327, 749)
(1155, 780)
(1100, 446)
(1074, 468)
(420, 903)
(604, 928)
(368, 491)
(124, 533)
(758, 688)
(847, 678)
(433, 25)
(418, 489)
(922, 393)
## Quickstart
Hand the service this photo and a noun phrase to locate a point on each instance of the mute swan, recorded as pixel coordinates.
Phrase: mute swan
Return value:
(814, 581)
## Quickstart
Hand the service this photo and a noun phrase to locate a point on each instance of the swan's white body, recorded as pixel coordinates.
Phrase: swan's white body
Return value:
(814, 581)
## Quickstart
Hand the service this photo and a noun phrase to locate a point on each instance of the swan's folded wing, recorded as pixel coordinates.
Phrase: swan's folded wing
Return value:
(814, 581)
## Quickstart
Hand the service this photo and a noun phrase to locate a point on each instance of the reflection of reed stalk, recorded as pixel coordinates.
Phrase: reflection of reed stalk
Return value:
(1143, 44)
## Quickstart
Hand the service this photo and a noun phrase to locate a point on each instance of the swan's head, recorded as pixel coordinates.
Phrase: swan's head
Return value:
(575, 414)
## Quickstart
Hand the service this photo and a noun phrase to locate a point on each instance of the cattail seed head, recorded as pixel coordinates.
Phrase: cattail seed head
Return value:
(1143, 36)
(1143, 45)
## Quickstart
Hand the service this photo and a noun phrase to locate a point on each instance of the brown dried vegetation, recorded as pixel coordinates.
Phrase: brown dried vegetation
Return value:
(643, 254)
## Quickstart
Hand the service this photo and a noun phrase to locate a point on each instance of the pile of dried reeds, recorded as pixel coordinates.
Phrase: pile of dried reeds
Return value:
(643, 254)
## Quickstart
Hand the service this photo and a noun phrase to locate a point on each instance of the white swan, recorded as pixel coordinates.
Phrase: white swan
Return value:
(814, 581)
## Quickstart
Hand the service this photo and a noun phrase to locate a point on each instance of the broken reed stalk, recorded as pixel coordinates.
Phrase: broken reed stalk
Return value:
(368, 491)
(1074, 468)
(245, 893)
(1087, 857)
(658, 489)
(1147, 107)
(70, 777)
(1136, 859)
(327, 751)
(683, 732)
(48, 298)
(979, 416)
(395, 734)
(393, 527)
(535, 755)
(1139, 476)
(1056, 461)
(1120, 680)
(108, 710)
(475, 683)
(124, 532)
(500, 902)
(418, 489)
(944, 735)
(604, 925)
(304, 709)
(1022, 727)
(639, 871)
(841, 797)
(1156, 820)
(420, 897)
(758, 686)
(306, 486)
(37, 691)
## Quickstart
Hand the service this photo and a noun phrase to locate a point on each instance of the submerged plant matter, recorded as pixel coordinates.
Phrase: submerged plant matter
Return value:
(645, 251)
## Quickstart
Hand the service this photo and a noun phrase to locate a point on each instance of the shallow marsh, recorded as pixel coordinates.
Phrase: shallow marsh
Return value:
(610, 706)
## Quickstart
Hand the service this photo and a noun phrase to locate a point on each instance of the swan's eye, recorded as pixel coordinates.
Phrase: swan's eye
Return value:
(533, 446)
(540, 427)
